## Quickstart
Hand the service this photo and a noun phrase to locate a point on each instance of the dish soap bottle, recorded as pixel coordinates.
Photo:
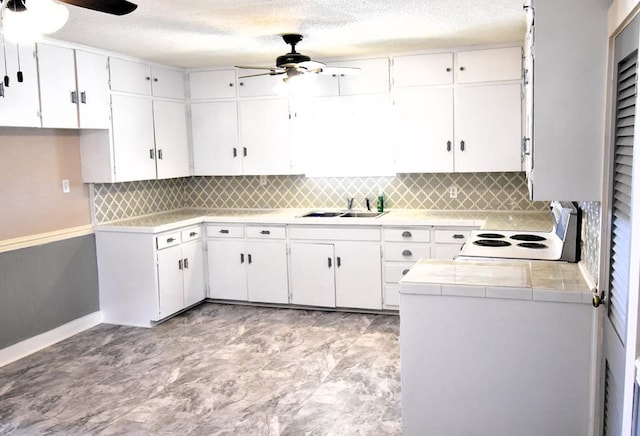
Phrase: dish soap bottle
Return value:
(380, 202)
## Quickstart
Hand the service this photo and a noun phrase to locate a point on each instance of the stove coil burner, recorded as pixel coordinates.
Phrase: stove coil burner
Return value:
(491, 243)
(528, 238)
(534, 245)
(490, 236)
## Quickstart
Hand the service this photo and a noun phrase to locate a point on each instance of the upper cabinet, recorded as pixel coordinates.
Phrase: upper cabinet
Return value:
(73, 88)
(140, 78)
(490, 65)
(566, 111)
(423, 70)
(373, 78)
(206, 85)
(19, 106)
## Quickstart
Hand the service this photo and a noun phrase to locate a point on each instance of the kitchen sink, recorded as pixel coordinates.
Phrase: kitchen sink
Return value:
(366, 214)
(342, 214)
(322, 214)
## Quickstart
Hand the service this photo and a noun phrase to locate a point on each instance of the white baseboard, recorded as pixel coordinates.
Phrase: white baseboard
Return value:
(29, 346)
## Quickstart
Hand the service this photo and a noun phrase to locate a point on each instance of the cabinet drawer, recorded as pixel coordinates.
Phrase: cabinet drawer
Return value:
(191, 234)
(225, 231)
(334, 233)
(414, 234)
(167, 240)
(394, 272)
(265, 232)
(406, 252)
(451, 236)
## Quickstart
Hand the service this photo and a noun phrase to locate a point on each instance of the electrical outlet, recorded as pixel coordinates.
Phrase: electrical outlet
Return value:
(65, 186)
(263, 180)
(453, 192)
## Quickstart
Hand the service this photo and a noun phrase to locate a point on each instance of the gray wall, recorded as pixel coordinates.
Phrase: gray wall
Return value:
(44, 287)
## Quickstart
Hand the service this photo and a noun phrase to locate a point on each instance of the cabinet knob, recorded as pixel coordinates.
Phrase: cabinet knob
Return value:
(171, 239)
(231, 85)
(224, 231)
(241, 83)
(448, 69)
(406, 234)
(458, 236)
(147, 78)
(155, 79)
(407, 253)
(192, 234)
(462, 68)
(265, 232)
(448, 145)
(461, 145)
(404, 273)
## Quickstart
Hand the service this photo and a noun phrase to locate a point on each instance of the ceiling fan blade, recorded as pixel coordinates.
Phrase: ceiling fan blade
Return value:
(271, 73)
(114, 7)
(343, 71)
(249, 67)
(311, 66)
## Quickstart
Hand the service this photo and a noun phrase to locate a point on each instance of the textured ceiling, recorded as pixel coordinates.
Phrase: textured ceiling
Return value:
(198, 33)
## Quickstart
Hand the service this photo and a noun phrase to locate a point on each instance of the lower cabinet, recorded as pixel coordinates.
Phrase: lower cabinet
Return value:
(145, 278)
(247, 263)
(329, 272)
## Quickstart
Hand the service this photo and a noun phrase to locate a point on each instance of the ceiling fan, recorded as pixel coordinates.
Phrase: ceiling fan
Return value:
(114, 7)
(294, 64)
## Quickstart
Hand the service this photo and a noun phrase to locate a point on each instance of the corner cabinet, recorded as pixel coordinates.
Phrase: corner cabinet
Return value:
(565, 117)
(145, 278)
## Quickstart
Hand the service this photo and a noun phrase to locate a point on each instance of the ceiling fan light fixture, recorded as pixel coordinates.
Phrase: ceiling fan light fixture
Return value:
(26, 21)
(49, 15)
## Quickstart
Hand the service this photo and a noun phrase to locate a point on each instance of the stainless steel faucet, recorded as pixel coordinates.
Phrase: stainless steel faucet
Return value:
(349, 203)
(368, 203)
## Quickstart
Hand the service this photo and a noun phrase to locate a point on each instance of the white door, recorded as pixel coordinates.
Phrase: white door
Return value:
(312, 274)
(167, 83)
(267, 272)
(129, 76)
(227, 270)
(58, 93)
(172, 143)
(20, 105)
(133, 144)
(264, 136)
(214, 133)
(170, 266)
(358, 275)
(621, 273)
(423, 130)
(488, 128)
(193, 272)
(93, 90)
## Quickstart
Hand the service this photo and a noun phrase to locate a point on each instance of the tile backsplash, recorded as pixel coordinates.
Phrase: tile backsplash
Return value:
(476, 191)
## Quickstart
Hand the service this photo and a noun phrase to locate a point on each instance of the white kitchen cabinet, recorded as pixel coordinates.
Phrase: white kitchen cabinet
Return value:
(312, 274)
(265, 136)
(92, 77)
(423, 70)
(461, 130)
(252, 269)
(488, 130)
(489, 65)
(133, 138)
(214, 134)
(205, 85)
(373, 78)
(20, 104)
(146, 277)
(259, 86)
(567, 110)
(171, 139)
(141, 78)
(358, 275)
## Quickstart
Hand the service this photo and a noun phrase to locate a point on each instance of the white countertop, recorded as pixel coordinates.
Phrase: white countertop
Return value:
(521, 280)
(489, 220)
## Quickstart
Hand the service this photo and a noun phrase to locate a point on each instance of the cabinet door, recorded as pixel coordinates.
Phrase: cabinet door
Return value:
(58, 94)
(312, 274)
(129, 76)
(358, 275)
(267, 272)
(373, 77)
(488, 128)
(423, 130)
(133, 144)
(265, 136)
(93, 90)
(167, 83)
(171, 139)
(214, 133)
(193, 272)
(212, 84)
(489, 65)
(423, 70)
(170, 294)
(227, 270)
(20, 105)
(259, 86)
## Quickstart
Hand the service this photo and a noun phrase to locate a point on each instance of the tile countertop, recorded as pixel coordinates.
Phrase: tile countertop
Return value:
(488, 220)
(520, 280)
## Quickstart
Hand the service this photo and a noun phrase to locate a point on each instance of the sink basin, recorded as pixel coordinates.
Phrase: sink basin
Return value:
(366, 214)
(323, 214)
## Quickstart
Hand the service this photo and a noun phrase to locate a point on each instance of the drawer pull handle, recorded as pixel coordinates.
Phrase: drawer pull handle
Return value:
(265, 232)
(406, 234)
(192, 234)
(249, 258)
(329, 261)
(224, 231)
(404, 273)
(338, 262)
(458, 236)
(186, 263)
(170, 239)
(241, 257)
(407, 253)
(180, 264)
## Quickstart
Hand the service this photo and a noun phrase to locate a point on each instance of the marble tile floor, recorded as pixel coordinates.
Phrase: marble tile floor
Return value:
(214, 370)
